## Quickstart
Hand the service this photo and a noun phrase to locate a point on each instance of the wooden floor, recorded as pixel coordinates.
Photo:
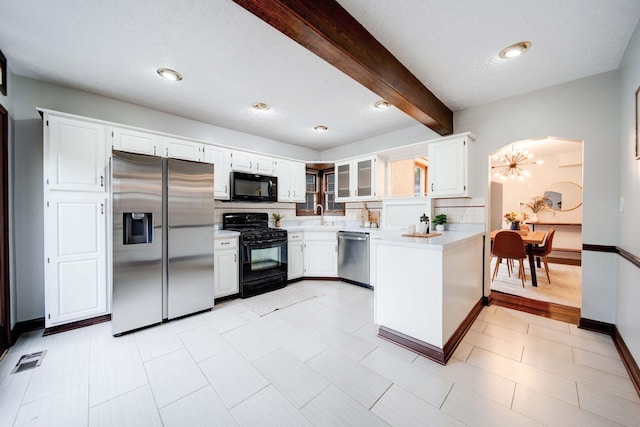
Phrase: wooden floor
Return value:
(550, 310)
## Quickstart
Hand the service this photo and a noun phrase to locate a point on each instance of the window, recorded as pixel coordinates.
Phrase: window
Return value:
(320, 190)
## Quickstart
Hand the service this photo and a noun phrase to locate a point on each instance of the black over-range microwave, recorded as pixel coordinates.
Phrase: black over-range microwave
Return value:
(249, 187)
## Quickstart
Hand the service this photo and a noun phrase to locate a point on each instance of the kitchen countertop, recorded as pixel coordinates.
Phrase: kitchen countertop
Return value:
(224, 234)
(448, 238)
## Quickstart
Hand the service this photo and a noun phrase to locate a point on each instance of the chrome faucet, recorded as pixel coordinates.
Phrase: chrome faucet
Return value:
(321, 213)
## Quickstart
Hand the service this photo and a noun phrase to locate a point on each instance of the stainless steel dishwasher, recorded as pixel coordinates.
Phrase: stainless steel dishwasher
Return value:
(353, 257)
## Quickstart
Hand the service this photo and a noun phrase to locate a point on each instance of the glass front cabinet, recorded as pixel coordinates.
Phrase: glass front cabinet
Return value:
(356, 179)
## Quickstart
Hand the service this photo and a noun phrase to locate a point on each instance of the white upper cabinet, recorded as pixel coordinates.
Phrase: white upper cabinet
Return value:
(75, 155)
(448, 174)
(184, 149)
(221, 159)
(134, 141)
(359, 179)
(252, 163)
(291, 180)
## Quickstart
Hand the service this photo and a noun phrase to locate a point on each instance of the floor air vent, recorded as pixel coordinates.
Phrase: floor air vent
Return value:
(29, 361)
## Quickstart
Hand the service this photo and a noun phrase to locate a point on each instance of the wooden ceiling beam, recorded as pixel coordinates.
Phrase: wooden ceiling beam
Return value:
(328, 30)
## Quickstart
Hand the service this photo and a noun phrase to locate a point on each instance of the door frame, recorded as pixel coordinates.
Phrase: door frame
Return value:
(5, 309)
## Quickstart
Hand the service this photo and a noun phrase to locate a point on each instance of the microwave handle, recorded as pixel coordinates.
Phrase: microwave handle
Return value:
(270, 188)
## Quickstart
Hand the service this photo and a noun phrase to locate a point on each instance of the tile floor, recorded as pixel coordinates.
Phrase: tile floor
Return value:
(317, 363)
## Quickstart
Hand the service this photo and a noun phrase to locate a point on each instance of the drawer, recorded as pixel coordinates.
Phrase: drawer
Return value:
(320, 235)
(222, 244)
(295, 236)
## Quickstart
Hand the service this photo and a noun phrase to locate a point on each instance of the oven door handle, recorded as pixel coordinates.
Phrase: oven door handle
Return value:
(264, 245)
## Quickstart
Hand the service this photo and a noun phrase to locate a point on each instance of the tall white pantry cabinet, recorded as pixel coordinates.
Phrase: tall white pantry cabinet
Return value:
(77, 216)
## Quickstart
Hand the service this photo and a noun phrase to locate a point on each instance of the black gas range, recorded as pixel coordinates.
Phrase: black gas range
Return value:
(263, 252)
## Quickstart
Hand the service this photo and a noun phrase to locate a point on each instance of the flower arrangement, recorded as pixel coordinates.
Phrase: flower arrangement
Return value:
(515, 217)
(537, 204)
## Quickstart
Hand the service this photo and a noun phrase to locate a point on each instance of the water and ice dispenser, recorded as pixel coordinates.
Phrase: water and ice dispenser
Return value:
(138, 227)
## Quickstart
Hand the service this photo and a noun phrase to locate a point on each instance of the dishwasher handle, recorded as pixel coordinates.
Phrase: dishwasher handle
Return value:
(352, 238)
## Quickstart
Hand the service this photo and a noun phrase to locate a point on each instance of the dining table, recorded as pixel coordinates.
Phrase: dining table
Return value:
(530, 239)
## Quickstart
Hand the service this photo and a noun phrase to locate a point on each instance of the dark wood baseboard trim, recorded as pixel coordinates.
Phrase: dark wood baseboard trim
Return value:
(625, 355)
(455, 339)
(596, 326)
(566, 261)
(633, 259)
(76, 325)
(425, 349)
(335, 279)
(26, 326)
(627, 359)
(599, 248)
(437, 354)
(551, 310)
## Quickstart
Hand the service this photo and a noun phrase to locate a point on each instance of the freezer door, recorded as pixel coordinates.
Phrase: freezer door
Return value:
(137, 241)
(189, 280)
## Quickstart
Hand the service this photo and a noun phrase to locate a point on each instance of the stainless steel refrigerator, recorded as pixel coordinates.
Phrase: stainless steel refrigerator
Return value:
(162, 239)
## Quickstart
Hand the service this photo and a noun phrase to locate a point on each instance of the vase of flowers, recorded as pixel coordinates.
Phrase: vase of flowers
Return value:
(515, 218)
(537, 204)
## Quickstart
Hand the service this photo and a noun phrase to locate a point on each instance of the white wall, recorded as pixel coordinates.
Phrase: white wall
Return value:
(628, 315)
(583, 110)
(409, 135)
(542, 177)
(33, 93)
(27, 293)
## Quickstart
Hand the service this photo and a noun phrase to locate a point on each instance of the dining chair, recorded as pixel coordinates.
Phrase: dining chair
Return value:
(524, 227)
(509, 245)
(544, 250)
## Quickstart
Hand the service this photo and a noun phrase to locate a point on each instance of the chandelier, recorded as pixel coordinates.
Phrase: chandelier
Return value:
(512, 161)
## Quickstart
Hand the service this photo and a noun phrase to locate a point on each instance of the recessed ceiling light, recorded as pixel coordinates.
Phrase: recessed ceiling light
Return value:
(382, 104)
(321, 128)
(515, 50)
(169, 74)
(260, 106)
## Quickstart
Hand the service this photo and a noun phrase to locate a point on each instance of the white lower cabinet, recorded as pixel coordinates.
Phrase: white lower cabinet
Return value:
(75, 258)
(295, 255)
(320, 254)
(225, 261)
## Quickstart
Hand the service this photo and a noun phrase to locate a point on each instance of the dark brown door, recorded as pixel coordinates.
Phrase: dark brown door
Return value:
(5, 318)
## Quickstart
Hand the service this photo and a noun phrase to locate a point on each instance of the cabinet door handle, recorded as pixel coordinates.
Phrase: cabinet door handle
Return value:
(289, 193)
(225, 243)
(102, 208)
(235, 257)
(154, 150)
(432, 186)
(225, 189)
(301, 248)
(167, 152)
(250, 165)
(101, 181)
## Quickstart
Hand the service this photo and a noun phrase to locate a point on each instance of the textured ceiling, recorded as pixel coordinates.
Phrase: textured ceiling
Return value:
(230, 59)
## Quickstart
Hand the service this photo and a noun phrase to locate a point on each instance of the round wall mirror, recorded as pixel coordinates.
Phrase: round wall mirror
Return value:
(564, 196)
